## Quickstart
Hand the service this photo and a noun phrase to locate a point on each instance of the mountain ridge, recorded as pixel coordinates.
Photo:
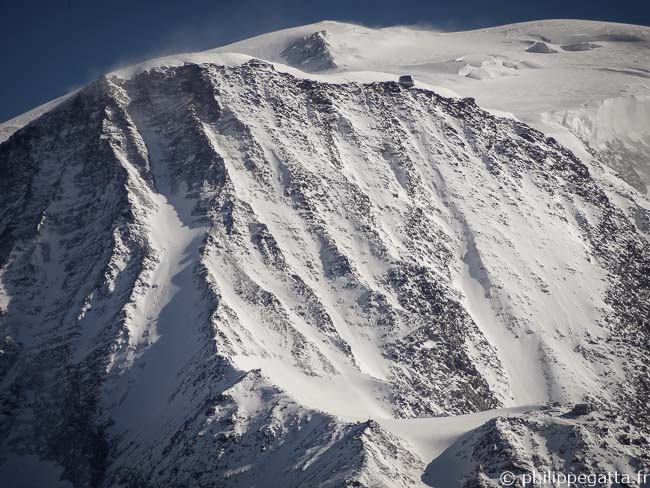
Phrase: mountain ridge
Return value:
(202, 263)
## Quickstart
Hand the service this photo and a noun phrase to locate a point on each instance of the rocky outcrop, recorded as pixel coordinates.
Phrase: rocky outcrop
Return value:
(311, 53)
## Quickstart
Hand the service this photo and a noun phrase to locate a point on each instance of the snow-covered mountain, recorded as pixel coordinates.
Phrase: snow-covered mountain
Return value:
(270, 265)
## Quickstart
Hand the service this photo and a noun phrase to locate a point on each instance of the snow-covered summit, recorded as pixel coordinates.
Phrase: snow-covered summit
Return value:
(552, 74)
(592, 60)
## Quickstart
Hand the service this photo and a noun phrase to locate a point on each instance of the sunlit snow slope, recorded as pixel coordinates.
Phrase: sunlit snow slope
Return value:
(572, 78)
(220, 271)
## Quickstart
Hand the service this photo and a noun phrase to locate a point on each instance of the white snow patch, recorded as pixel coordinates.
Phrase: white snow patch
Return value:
(430, 436)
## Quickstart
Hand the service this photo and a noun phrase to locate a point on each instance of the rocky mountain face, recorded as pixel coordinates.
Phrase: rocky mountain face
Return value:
(547, 441)
(311, 53)
(217, 275)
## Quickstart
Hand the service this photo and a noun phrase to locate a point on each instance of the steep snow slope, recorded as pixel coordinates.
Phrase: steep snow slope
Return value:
(550, 74)
(213, 271)
(543, 441)
(615, 131)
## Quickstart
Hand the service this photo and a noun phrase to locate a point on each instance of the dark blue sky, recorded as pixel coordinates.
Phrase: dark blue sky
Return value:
(49, 47)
